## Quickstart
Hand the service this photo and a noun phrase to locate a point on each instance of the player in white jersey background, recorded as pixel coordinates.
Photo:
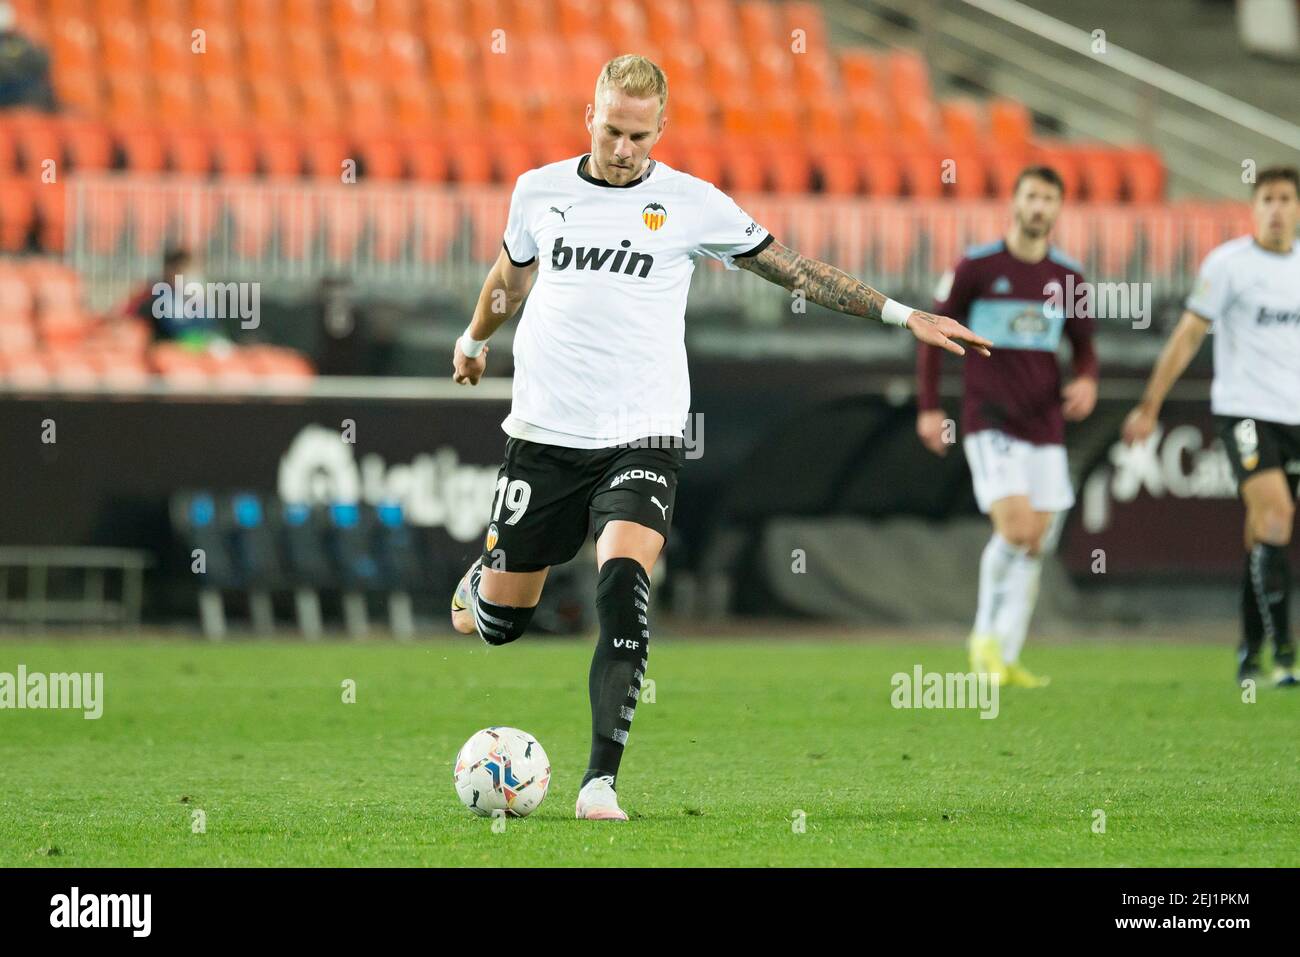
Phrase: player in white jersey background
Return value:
(607, 242)
(1248, 293)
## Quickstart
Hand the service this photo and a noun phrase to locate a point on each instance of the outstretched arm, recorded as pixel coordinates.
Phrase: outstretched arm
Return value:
(835, 289)
(502, 293)
(1182, 346)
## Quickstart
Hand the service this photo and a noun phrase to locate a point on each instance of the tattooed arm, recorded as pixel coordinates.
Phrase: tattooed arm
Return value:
(835, 289)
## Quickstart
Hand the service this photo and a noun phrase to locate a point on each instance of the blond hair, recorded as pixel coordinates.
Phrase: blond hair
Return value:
(635, 76)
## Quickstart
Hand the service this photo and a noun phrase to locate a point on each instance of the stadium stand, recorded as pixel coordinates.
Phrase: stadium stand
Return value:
(135, 98)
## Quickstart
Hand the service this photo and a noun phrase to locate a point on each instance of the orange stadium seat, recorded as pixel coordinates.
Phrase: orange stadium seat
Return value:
(143, 147)
(74, 45)
(814, 78)
(743, 172)
(178, 95)
(156, 10)
(403, 57)
(170, 48)
(274, 101)
(1144, 175)
(413, 104)
(427, 159)
(327, 153)
(472, 162)
(1062, 159)
(17, 213)
(808, 17)
(39, 140)
(178, 365)
(1101, 174)
(233, 151)
(224, 99)
(130, 96)
(89, 143)
(17, 301)
(81, 90)
(268, 52)
(1002, 168)
(759, 24)
(840, 172)
(359, 53)
(715, 23)
(51, 214)
(16, 336)
(962, 124)
(72, 370)
(378, 155)
(216, 49)
(123, 45)
(25, 369)
(396, 15)
(922, 171)
(1010, 125)
(969, 179)
(626, 26)
(279, 153)
(882, 173)
(667, 21)
(120, 370)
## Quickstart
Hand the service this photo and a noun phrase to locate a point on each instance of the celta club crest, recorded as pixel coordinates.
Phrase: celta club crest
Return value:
(654, 215)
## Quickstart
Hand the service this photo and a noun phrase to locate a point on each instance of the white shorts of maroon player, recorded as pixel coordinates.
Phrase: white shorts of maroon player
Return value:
(1003, 465)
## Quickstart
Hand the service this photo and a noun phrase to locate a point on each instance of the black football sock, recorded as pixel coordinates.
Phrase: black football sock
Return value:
(618, 665)
(1266, 603)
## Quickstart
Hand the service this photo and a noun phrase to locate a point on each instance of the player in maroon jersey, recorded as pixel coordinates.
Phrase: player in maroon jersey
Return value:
(1020, 292)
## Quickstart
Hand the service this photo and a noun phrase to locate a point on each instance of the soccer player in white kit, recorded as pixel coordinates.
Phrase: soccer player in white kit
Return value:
(1248, 292)
(600, 392)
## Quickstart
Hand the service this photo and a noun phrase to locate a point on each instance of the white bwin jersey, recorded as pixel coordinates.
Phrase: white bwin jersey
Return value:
(600, 352)
(1252, 296)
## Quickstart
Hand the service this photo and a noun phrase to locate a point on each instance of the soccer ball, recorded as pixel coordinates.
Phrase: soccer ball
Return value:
(502, 770)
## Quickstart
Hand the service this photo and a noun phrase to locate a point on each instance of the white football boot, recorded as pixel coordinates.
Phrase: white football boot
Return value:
(598, 802)
(462, 615)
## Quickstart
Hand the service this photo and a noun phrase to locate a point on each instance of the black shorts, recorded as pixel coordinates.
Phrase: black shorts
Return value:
(548, 497)
(1254, 445)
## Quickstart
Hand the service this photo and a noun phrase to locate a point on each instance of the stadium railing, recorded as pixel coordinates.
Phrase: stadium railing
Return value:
(408, 239)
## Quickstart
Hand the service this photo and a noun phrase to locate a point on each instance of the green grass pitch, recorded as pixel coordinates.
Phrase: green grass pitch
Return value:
(740, 737)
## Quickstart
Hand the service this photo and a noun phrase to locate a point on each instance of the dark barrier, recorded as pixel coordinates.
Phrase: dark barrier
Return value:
(773, 438)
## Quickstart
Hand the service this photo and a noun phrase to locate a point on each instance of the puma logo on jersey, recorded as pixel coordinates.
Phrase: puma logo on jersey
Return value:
(646, 474)
(562, 211)
(662, 507)
(625, 260)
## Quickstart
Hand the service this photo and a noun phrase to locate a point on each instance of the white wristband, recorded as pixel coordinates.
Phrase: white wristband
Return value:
(895, 313)
(471, 346)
